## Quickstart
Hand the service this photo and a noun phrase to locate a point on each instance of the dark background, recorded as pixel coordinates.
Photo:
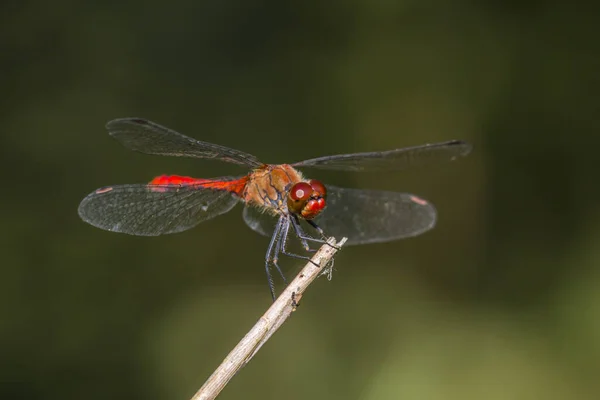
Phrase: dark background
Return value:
(500, 301)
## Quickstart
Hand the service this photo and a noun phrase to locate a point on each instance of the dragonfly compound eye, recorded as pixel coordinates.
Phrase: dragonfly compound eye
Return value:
(301, 191)
(318, 187)
(307, 199)
(298, 196)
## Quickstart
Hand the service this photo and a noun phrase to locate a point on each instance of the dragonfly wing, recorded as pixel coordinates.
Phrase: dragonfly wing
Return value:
(152, 210)
(363, 216)
(259, 221)
(372, 216)
(391, 160)
(151, 138)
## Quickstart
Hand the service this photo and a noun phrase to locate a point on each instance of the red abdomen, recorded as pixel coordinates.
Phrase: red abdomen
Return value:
(235, 186)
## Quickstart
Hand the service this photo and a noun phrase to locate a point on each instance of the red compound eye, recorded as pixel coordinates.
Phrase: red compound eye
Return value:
(318, 187)
(301, 191)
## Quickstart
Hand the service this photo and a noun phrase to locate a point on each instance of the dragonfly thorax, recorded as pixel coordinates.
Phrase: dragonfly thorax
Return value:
(281, 189)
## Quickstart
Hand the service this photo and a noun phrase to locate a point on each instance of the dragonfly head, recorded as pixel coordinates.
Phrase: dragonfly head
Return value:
(307, 199)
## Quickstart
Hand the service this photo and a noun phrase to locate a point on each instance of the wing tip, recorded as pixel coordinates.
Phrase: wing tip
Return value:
(464, 146)
(115, 124)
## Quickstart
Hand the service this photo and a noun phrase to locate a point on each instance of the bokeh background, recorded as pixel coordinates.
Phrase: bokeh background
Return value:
(500, 301)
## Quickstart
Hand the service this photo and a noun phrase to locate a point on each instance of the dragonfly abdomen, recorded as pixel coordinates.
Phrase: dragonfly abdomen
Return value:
(232, 185)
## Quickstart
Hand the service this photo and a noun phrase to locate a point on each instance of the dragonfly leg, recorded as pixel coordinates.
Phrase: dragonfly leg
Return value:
(299, 233)
(275, 239)
(328, 269)
(303, 236)
(318, 229)
(283, 248)
(285, 225)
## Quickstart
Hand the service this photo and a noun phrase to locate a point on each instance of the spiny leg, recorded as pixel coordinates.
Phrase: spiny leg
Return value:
(299, 233)
(328, 268)
(318, 229)
(303, 236)
(282, 248)
(274, 239)
(283, 231)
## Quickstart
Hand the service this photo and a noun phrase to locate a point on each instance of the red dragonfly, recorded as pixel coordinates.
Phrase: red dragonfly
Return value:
(172, 203)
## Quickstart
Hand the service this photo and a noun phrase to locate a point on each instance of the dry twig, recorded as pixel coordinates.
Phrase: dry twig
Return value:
(275, 316)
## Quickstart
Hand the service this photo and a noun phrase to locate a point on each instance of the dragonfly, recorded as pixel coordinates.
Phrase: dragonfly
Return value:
(277, 198)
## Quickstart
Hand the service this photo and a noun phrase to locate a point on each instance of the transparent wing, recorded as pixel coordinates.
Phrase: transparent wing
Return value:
(152, 210)
(150, 138)
(258, 221)
(391, 160)
(363, 216)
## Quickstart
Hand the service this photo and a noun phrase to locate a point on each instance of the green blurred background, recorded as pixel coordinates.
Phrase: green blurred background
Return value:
(500, 301)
